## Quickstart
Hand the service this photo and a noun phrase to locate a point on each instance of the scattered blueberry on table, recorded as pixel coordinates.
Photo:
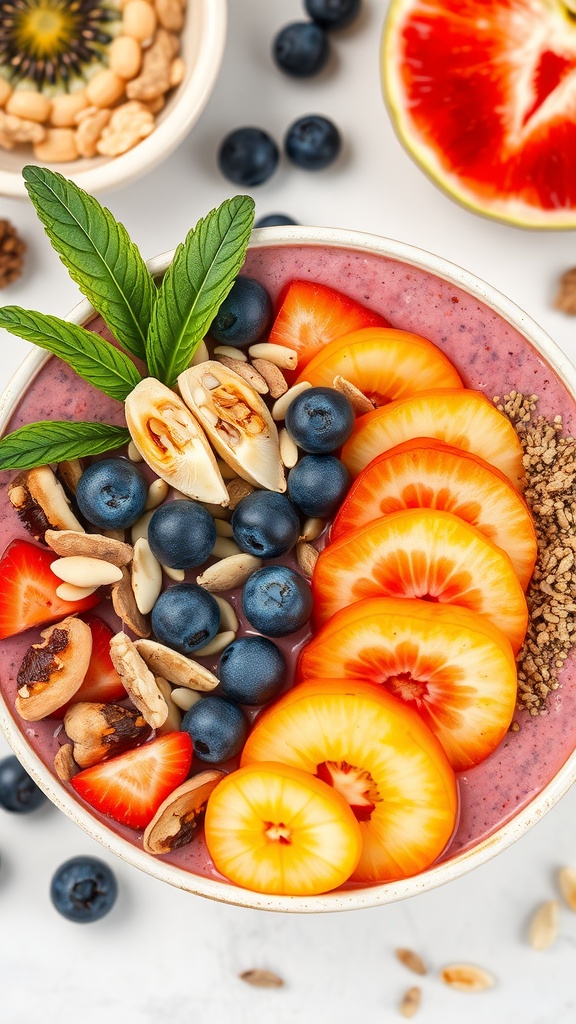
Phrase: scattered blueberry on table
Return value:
(245, 314)
(265, 524)
(318, 484)
(248, 156)
(185, 617)
(276, 600)
(111, 494)
(217, 727)
(312, 142)
(251, 670)
(320, 420)
(18, 792)
(301, 49)
(181, 534)
(333, 14)
(274, 220)
(83, 889)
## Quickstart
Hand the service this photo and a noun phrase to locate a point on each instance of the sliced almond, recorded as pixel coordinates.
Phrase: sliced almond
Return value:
(413, 961)
(184, 698)
(41, 503)
(68, 592)
(358, 400)
(567, 883)
(64, 763)
(138, 681)
(146, 576)
(288, 449)
(466, 978)
(68, 543)
(178, 820)
(217, 644)
(411, 1002)
(275, 379)
(82, 571)
(52, 671)
(282, 357)
(262, 979)
(157, 493)
(124, 604)
(229, 573)
(178, 575)
(175, 667)
(100, 731)
(306, 556)
(543, 929)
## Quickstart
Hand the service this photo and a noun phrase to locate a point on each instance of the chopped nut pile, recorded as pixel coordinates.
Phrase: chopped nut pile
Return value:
(550, 463)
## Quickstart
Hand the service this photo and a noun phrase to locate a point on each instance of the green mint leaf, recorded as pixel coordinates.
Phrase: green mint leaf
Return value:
(98, 254)
(39, 444)
(94, 359)
(195, 285)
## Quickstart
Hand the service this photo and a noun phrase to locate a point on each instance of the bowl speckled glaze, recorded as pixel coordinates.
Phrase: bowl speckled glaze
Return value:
(496, 348)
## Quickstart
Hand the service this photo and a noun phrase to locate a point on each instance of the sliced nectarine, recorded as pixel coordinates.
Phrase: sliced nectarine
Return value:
(383, 363)
(448, 663)
(458, 416)
(421, 552)
(427, 473)
(380, 756)
(275, 829)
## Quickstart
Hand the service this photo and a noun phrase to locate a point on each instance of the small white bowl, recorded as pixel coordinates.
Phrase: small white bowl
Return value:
(531, 769)
(203, 38)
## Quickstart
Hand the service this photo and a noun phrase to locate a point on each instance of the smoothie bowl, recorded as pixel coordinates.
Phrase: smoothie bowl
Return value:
(463, 704)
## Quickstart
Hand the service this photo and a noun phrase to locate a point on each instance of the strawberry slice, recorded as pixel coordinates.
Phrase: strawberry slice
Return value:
(312, 314)
(28, 595)
(131, 787)
(101, 682)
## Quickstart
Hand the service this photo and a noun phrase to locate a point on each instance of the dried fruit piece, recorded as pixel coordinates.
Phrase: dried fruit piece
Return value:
(101, 731)
(179, 818)
(52, 671)
(41, 503)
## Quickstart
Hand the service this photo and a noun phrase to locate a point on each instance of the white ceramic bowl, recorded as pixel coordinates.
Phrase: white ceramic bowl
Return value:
(407, 284)
(203, 39)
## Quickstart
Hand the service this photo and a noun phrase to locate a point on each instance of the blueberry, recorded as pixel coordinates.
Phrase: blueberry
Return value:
(83, 889)
(217, 727)
(18, 792)
(244, 315)
(248, 156)
(181, 534)
(276, 600)
(318, 485)
(320, 420)
(185, 617)
(301, 49)
(312, 142)
(251, 670)
(111, 494)
(332, 14)
(274, 220)
(265, 524)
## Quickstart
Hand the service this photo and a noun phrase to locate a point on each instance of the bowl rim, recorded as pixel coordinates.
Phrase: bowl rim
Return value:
(355, 898)
(191, 99)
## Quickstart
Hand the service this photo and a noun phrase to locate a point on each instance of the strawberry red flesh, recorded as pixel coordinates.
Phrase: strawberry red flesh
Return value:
(28, 594)
(131, 787)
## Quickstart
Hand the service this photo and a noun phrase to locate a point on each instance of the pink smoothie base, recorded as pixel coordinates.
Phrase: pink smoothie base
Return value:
(484, 336)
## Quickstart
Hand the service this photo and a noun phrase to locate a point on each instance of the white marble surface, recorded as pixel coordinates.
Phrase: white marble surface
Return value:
(162, 954)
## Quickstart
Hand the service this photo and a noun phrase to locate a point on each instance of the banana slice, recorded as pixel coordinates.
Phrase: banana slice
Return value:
(172, 442)
(236, 421)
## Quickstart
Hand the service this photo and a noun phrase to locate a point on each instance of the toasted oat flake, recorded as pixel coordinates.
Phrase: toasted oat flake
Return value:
(543, 929)
(466, 977)
(413, 961)
(411, 1002)
(567, 885)
(262, 979)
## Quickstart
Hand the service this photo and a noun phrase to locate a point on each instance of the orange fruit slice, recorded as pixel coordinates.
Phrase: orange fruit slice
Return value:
(427, 473)
(448, 663)
(380, 756)
(481, 93)
(460, 417)
(383, 363)
(275, 829)
(422, 553)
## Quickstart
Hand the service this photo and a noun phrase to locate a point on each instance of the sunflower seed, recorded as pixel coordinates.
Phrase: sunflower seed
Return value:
(413, 961)
(567, 883)
(544, 925)
(411, 1002)
(261, 979)
(466, 977)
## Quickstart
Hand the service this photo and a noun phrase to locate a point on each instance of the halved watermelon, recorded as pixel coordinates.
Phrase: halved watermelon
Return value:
(481, 93)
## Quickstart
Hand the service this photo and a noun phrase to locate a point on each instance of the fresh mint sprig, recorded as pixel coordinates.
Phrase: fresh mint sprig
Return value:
(98, 254)
(195, 285)
(92, 358)
(39, 444)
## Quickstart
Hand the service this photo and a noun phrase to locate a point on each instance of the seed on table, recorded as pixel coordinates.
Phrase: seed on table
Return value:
(82, 571)
(466, 977)
(413, 961)
(288, 449)
(282, 404)
(228, 617)
(217, 644)
(224, 547)
(185, 698)
(68, 592)
(157, 493)
(411, 1002)
(567, 884)
(543, 929)
(282, 357)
